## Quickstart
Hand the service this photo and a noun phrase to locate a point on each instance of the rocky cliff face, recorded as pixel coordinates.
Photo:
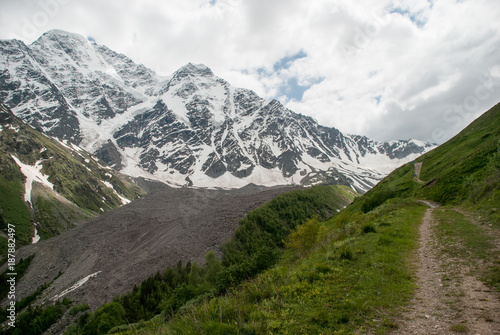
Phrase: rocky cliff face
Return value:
(191, 128)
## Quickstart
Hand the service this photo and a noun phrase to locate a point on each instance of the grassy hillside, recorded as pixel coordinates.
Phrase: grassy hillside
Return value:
(465, 170)
(353, 273)
(256, 247)
(80, 183)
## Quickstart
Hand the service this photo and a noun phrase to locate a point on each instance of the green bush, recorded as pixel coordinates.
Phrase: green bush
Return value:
(346, 254)
(104, 319)
(182, 294)
(368, 228)
(306, 235)
(78, 309)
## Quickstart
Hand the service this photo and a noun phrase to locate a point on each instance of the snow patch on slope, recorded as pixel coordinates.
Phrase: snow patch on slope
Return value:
(75, 286)
(32, 173)
(122, 198)
(36, 237)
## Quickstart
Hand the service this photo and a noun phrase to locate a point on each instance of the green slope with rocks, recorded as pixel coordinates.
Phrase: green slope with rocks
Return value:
(50, 185)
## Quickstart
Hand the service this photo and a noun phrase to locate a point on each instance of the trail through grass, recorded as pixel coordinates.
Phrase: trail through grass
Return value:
(350, 282)
(454, 262)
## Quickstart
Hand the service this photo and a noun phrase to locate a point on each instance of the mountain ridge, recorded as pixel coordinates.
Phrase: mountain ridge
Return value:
(191, 128)
(48, 186)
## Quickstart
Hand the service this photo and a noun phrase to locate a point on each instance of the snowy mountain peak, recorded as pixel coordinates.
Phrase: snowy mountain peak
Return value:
(66, 39)
(194, 70)
(63, 34)
(189, 76)
(192, 128)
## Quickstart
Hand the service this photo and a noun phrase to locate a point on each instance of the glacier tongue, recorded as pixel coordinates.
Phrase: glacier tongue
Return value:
(191, 128)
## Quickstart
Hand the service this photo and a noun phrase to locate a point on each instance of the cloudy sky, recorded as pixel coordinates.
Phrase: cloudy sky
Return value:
(388, 69)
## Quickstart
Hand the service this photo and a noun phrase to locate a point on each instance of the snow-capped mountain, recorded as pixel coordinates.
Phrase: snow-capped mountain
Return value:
(191, 128)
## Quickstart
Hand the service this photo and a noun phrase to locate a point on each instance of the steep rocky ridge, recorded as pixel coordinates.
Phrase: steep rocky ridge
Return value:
(191, 128)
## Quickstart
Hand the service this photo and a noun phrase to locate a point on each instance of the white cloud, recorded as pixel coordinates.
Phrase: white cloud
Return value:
(388, 69)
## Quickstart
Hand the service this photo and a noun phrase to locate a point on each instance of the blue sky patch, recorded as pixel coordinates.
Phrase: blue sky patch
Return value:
(286, 62)
(408, 14)
(293, 91)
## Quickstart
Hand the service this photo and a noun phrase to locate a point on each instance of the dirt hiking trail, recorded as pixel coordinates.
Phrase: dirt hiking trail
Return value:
(449, 298)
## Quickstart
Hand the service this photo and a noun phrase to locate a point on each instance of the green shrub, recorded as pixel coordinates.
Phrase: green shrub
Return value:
(368, 228)
(182, 294)
(104, 319)
(306, 235)
(78, 309)
(346, 254)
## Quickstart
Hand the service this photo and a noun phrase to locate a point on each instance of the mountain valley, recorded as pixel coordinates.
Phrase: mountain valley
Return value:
(148, 204)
